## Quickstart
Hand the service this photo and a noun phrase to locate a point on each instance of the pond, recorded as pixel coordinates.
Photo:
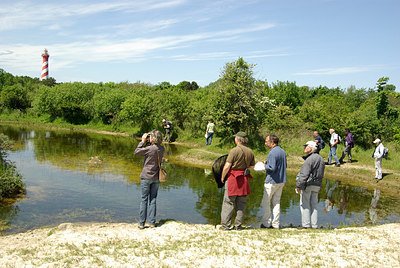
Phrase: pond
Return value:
(63, 186)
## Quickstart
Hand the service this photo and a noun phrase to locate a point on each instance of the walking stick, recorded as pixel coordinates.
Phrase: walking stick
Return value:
(219, 205)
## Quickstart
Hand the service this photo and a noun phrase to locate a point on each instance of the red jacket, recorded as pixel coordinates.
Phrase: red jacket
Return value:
(238, 184)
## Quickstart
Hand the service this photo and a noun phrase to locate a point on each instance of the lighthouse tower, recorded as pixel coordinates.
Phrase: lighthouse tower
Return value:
(45, 65)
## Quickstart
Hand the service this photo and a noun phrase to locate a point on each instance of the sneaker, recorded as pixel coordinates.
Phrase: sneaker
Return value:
(262, 226)
(349, 161)
(152, 226)
(141, 227)
(337, 165)
(240, 227)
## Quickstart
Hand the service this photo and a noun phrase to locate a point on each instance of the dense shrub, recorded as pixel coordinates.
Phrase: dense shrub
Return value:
(10, 180)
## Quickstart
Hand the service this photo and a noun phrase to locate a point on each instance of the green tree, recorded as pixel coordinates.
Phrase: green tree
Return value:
(234, 106)
(107, 103)
(15, 97)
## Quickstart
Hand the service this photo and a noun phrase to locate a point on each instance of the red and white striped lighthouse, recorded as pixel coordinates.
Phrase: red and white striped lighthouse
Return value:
(45, 65)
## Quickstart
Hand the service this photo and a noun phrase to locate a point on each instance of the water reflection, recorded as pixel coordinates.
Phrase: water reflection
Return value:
(63, 186)
(373, 215)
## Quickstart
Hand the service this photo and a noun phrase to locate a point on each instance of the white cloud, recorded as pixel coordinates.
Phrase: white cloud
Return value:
(338, 71)
(20, 15)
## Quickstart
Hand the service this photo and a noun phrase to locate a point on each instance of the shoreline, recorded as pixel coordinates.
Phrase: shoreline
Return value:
(198, 156)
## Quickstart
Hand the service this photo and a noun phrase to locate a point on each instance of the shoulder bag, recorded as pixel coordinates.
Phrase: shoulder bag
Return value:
(162, 175)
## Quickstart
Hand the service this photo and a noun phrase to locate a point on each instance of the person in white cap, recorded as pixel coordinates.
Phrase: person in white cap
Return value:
(308, 185)
(378, 155)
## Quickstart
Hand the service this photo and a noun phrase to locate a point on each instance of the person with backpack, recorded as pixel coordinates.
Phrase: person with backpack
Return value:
(349, 144)
(168, 129)
(335, 139)
(320, 142)
(378, 155)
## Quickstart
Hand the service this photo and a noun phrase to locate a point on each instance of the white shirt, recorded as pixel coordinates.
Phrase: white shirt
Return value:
(379, 151)
(334, 137)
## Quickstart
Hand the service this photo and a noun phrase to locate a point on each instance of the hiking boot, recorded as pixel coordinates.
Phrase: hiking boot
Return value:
(302, 228)
(240, 227)
(224, 228)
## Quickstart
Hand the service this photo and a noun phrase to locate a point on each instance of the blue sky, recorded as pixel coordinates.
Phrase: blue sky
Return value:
(334, 43)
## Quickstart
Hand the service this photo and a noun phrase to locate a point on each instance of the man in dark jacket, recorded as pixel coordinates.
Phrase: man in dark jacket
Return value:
(308, 185)
(349, 143)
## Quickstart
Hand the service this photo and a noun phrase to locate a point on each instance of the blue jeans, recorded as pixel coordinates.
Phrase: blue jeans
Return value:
(332, 151)
(209, 138)
(149, 195)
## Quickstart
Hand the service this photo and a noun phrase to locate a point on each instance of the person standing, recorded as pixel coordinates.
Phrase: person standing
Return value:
(378, 155)
(240, 159)
(308, 185)
(210, 132)
(333, 146)
(349, 144)
(149, 147)
(275, 168)
(168, 129)
(320, 142)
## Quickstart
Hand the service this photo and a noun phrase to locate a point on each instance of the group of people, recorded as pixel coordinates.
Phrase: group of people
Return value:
(236, 174)
(349, 144)
(241, 158)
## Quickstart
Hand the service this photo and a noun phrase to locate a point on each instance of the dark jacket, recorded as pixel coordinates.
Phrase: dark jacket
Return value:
(349, 140)
(312, 171)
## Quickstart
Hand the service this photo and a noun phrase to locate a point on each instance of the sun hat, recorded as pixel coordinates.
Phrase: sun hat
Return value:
(241, 134)
(377, 140)
(311, 144)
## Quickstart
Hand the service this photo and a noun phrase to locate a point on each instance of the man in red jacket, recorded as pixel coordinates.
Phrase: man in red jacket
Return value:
(240, 159)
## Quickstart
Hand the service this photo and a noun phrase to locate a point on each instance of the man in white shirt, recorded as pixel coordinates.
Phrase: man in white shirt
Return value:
(333, 146)
(378, 155)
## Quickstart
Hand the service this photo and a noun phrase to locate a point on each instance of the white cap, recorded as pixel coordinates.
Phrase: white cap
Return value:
(312, 145)
(377, 140)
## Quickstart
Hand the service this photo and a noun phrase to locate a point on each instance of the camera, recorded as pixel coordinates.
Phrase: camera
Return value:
(148, 137)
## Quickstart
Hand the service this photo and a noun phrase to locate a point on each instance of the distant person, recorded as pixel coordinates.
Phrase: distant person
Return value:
(240, 159)
(320, 142)
(168, 129)
(308, 185)
(349, 144)
(333, 146)
(150, 147)
(378, 155)
(210, 132)
(275, 180)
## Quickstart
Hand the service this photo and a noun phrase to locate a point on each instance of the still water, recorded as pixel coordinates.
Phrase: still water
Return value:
(63, 186)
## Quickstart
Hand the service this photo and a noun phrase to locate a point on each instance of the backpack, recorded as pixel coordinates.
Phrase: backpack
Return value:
(321, 144)
(385, 152)
(339, 139)
(170, 125)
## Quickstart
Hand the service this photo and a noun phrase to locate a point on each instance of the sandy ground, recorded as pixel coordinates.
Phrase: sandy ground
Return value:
(175, 244)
